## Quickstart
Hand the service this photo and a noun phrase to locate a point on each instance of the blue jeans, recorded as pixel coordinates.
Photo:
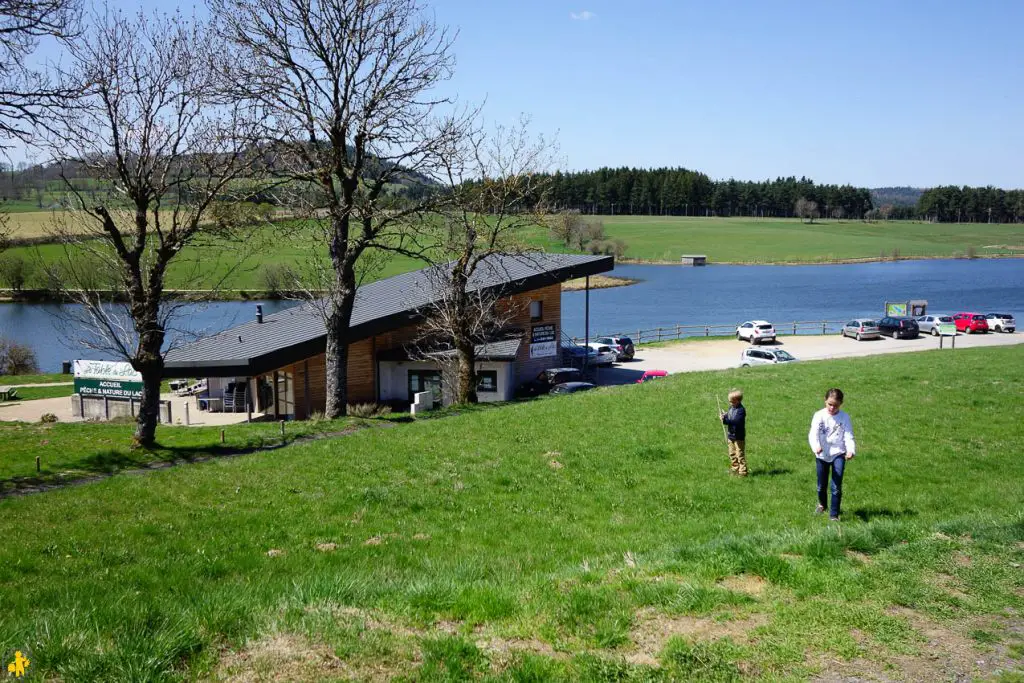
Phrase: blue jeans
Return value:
(836, 467)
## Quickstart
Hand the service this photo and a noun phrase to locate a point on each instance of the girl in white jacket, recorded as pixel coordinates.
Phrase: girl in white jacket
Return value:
(831, 439)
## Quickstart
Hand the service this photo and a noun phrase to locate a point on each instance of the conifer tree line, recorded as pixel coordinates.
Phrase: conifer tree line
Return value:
(682, 192)
(952, 204)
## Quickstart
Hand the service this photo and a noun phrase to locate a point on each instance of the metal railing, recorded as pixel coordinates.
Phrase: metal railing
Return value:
(676, 332)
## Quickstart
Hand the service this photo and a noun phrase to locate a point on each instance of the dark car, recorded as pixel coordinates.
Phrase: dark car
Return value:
(899, 327)
(570, 387)
(549, 378)
(623, 346)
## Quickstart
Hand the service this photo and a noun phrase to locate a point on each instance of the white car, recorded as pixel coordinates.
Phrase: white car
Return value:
(1001, 322)
(764, 357)
(929, 324)
(606, 355)
(756, 331)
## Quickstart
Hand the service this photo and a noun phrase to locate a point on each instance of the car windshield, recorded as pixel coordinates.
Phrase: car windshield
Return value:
(783, 355)
(764, 327)
(979, 317)
(868, 323)
(945, 319)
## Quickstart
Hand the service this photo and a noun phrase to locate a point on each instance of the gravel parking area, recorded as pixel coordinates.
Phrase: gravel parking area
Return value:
(718, 354)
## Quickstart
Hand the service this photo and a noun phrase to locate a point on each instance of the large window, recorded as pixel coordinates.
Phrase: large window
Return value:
(487, 381)
(536, 311)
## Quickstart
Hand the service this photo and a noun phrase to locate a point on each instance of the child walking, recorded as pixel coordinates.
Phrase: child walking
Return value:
(831, 439)
(735, 421)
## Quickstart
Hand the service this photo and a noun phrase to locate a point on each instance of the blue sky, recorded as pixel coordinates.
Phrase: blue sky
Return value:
(864, 92)
(869, 93)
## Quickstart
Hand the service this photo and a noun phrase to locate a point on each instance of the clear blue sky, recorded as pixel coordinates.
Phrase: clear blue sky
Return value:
(865, 92)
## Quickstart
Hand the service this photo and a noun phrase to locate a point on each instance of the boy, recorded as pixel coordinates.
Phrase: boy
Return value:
(736, 422)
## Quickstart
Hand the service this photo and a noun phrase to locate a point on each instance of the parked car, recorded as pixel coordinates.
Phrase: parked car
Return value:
(861, 328)
(622, 345)
(575, 354)
(651, 374)
(971, 322)
(756, 331)
(570, 387)
(549, 378)
(899, 326)
(1001, 322)
(606, 355)
(929, 324)
(764, 357)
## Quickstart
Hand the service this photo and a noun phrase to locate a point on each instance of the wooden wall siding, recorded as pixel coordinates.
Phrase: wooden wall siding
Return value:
(362, 379)
(528, 368)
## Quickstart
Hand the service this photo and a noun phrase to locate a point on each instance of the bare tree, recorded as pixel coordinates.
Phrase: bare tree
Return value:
(497, 186)
(152, 124)
(347, 85)
(807, 209)
(23, 90)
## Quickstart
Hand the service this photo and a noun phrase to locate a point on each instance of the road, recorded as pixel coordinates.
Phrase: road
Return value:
(718, 354)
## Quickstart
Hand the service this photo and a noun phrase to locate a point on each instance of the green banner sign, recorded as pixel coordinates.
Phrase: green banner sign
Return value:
(108, 387)
(947, 329)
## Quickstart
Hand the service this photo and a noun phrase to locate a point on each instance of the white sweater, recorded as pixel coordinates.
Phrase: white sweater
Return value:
(833, 434)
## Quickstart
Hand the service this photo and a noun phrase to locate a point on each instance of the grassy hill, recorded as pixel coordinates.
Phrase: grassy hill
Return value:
(588, 537)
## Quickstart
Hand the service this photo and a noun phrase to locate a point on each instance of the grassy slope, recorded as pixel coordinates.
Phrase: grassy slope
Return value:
(566, 523)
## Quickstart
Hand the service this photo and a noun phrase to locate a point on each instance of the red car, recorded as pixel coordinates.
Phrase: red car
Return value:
(970, 322)
(652, 374)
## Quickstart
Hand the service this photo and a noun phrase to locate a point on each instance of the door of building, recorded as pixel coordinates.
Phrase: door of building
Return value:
(425, 380)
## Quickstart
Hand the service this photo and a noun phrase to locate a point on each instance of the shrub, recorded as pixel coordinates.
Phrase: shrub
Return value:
(48, 418)
(17, 359)
(278, 279)
(15, 271)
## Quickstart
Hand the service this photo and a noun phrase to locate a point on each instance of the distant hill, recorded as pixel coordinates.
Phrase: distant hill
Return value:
(897, 196)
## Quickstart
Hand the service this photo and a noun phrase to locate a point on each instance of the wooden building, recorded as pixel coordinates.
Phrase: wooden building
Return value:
(277, 365)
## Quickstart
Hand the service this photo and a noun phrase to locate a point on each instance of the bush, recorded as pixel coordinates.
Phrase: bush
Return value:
(17, 359)
(48, 418)
(15, 271)
(278, 279)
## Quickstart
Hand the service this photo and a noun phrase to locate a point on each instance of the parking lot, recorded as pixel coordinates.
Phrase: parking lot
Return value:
(717, 354)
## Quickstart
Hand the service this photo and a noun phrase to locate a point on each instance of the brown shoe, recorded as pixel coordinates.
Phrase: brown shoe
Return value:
(820, 509)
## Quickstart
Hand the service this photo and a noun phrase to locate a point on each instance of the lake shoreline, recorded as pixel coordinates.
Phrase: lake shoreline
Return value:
(40, 296)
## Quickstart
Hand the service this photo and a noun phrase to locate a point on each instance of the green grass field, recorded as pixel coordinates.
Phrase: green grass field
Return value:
(593, 537)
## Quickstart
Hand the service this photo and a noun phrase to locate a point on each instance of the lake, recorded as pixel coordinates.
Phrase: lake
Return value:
(664, 297)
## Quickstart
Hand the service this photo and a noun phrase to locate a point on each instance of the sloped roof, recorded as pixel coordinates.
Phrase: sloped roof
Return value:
(299, 332)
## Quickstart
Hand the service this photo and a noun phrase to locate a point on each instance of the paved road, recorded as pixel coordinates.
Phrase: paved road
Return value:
(725, 353)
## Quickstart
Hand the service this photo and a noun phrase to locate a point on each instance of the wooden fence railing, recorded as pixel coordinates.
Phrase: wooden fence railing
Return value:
(657, 334)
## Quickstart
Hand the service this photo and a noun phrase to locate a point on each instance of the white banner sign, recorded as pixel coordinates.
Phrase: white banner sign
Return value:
(543, 349)
(105, 369)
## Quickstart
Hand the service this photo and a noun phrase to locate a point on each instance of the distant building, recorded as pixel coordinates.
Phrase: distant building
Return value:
(694, 260)
(277, 365)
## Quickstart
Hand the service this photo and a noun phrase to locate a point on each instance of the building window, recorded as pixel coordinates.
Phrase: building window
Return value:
(487, 381)
(536, 311)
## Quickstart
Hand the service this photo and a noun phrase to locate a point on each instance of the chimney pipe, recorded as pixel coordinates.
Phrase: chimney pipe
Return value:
(259, 313)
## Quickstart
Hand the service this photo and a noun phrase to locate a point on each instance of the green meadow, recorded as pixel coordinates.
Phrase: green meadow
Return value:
(244, 265)
(592, 537)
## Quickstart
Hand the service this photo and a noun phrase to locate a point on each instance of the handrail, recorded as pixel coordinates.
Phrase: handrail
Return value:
(682, 331)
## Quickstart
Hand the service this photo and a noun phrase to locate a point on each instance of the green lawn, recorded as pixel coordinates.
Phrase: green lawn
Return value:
(587, 537)
(14, 380)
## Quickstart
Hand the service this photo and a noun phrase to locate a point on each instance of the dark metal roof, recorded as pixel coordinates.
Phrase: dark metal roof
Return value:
(502, 350)
(381, 306)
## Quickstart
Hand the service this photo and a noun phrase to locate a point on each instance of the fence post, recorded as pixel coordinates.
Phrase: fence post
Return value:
(679, 332)
(106, 408)
(659, 334)
(823, 326)
(707, 331)
(639, 337)
(186, 414)
(794, 327)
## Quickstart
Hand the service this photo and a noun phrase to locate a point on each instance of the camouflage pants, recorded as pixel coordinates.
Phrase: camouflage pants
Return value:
(738, 457)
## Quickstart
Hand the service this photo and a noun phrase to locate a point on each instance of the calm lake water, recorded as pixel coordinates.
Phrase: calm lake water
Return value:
(664, 297)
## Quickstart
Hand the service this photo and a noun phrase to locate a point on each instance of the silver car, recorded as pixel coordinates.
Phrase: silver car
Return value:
(929, 324)
(754, 356)
(862, 328)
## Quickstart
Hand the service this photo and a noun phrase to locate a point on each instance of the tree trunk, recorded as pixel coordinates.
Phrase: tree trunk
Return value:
(149, 405)
(466, 389)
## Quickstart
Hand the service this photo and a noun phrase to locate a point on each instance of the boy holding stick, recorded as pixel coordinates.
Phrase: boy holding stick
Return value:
(735, 421)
